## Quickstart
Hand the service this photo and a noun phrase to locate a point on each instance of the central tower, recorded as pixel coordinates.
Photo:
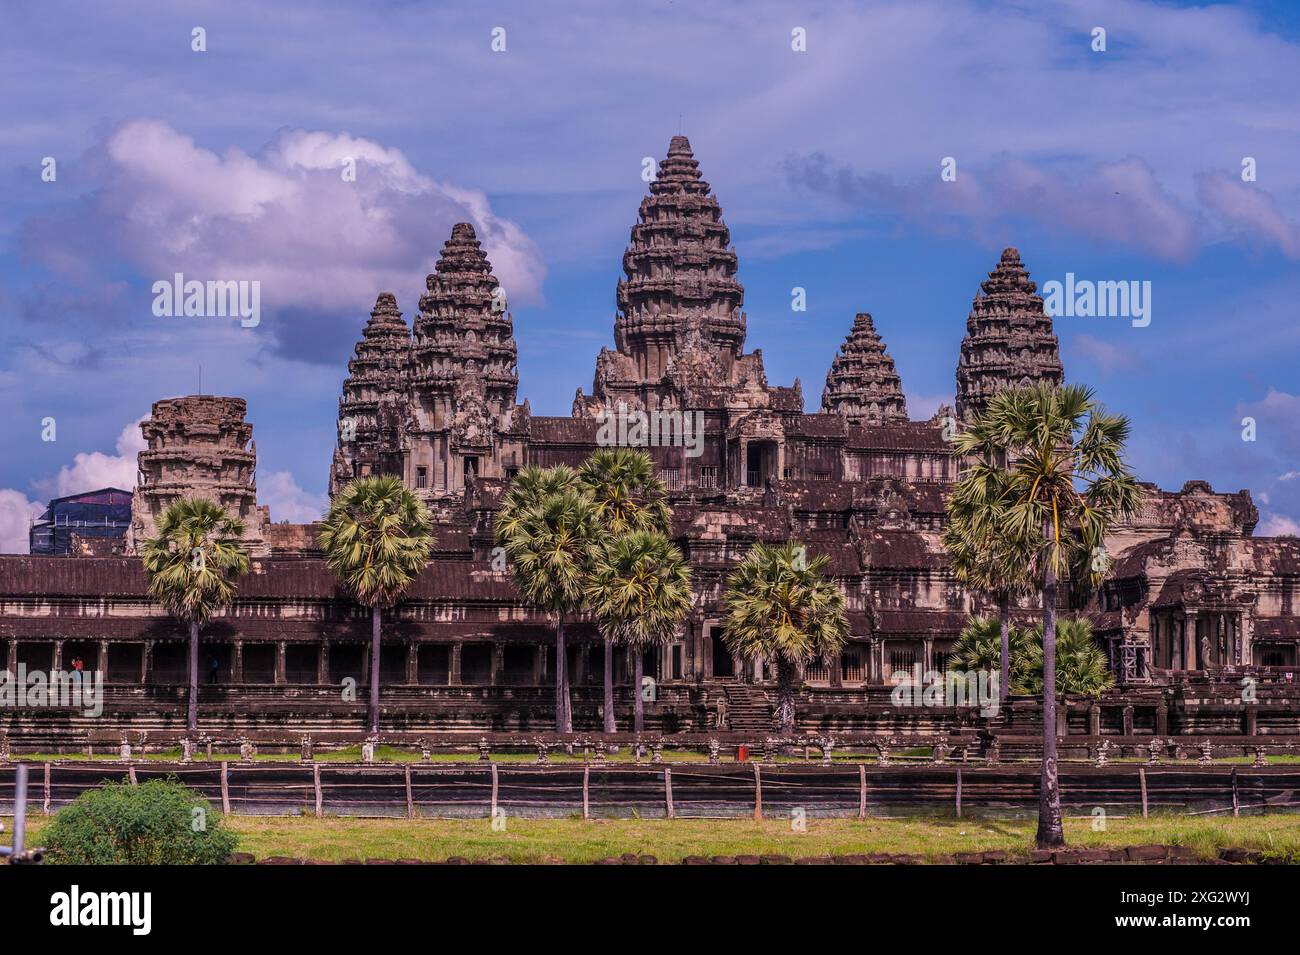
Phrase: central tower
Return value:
(679, 321)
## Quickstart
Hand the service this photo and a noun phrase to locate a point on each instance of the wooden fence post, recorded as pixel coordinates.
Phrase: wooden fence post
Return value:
(130, 773)
(410, 801)
(668, 790)
(493, 811)
(758, 791)
(959, 792)
(862, 790)
(45, 804)
(1236, 800)
(1142, 781)
(586, 799)
(225, 787)
(315, 781)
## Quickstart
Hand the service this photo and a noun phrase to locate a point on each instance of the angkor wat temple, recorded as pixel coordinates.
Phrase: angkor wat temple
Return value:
(436, 402)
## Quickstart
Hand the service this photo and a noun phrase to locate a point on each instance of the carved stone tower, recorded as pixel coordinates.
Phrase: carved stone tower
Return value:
(200, 446)
(679, 303)
(373, 408)
(862, 384)
(463, 375)
(1009, 340)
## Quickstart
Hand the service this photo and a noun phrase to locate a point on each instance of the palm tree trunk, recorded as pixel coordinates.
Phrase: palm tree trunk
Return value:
(563, 706)
(785, 677)
(638, 702)
(1004, 621)
(375, 621)
(1050, 833)
(610, 726)
(192, 714)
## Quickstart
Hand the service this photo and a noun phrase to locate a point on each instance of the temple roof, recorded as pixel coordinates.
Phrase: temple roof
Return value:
(1009, 340)
(862, 384)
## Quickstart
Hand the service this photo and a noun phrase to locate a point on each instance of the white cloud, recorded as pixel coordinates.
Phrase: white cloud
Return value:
(93, 470)
(16, 515)
(284, 216)
(288, 501)
(1277, 525)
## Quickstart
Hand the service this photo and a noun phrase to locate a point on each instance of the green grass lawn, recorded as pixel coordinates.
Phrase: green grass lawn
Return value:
(578, 841)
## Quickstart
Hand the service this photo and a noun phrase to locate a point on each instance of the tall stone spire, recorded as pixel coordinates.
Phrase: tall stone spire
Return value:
(464, 350)
(1009, 340)
(680, 287)
(862, 384)
(373, 405)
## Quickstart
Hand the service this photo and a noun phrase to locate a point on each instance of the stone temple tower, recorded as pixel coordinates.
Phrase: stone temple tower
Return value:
(862, 384)
(463, 374)
(200, 446)
(679, 319)
(373, 408)
(1009, 340)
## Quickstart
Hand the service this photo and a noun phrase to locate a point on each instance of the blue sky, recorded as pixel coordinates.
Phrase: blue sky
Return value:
(1123, 164)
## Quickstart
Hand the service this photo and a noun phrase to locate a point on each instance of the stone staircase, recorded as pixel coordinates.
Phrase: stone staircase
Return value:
(748, 709)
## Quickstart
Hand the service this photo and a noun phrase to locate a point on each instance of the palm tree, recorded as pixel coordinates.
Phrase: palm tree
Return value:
(547, 526)
(781, 608)
(628, 498)
(1067, 486)
(1081, 665)
(979, 647)
(192, 564)
(376, 537)
(640, 589)
(982, 557)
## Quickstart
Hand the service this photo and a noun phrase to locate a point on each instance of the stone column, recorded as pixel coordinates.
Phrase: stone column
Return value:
(837, 673)
(146, 662)
(579, 674)
(1190, 648)
(928, 653)
(237, 667)
(101, 662)
(281, 675)
(323, 663)
(498, 664)
(454, 675)
(1247, 638)
(11, 657)
(412, 663)
(539, 664)
(56, 658)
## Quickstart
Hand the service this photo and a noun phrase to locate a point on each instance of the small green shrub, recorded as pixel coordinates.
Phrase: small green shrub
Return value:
(160, 822)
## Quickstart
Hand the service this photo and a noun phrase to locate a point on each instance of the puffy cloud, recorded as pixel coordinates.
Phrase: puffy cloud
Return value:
(92, 470)
(1277, 525)
(287, 500)
(16, 515)
(1105, 355)
(286, 217)
(1249, 211)
(1120, 202)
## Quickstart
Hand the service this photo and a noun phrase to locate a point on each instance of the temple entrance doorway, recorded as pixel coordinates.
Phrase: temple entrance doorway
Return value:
(723, 664)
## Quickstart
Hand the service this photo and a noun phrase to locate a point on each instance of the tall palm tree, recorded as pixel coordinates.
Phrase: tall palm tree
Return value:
(640, 589)
(1068, 486)
(628, 497)
(376, 537)
(547, 526)
(192, 563)
(982, 557)
(781, 608)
